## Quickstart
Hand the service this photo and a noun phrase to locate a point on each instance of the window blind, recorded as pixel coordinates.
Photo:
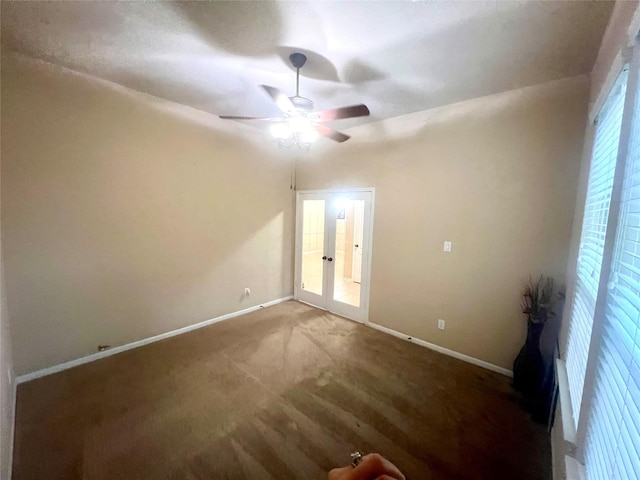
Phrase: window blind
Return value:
(594, 227)
(612, 448)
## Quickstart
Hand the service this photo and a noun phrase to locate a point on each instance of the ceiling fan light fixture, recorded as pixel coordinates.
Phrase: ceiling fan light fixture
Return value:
(308, 135)
(281, 131)
(299, 124)
(298, 132)
(304, 131)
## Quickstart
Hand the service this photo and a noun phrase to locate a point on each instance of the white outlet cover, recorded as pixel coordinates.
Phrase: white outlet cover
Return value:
(447, 246)
(440, 324)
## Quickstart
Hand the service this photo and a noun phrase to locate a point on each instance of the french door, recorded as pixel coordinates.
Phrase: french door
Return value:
(333, 250)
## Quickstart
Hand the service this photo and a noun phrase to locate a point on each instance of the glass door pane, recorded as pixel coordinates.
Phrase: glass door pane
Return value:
(333, 250)
(348, 251)
(312, 245)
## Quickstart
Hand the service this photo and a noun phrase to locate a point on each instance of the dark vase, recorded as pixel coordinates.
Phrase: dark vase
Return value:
(528, 367)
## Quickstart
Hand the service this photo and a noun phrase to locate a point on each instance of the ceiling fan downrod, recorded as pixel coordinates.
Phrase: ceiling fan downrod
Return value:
(298, 60)
(298, 123)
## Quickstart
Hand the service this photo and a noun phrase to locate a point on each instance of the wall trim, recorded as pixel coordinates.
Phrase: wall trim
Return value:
(446, 351)
(564, 397)
(139, 343)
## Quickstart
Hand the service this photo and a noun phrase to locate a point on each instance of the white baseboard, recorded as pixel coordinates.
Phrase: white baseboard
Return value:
(123, 348)
(564, 398)
(446, 351)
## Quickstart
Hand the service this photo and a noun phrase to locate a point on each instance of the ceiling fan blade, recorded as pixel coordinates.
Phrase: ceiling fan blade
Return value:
(234, 117)
(343, 112)
(331, 133)
(281, 100)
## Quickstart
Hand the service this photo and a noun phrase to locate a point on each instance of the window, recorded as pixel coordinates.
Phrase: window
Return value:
(594, 228)
(603, 343)
(612, 447)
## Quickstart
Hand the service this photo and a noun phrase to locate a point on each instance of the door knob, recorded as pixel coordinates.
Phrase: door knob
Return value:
(330, 259)
(356, 245)
(324, 258)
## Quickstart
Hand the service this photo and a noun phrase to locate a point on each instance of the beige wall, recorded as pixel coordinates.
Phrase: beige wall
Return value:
(497, 177)
(123, 219)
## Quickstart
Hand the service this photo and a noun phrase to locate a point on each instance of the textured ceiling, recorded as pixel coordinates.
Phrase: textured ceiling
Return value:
(396, 57)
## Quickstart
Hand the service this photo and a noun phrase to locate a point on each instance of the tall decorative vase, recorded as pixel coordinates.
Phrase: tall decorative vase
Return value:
(528, 367)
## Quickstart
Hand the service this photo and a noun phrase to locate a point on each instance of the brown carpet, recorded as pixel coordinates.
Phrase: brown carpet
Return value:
(286, 392)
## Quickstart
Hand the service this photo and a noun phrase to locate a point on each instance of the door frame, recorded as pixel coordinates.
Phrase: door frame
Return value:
(365, 284)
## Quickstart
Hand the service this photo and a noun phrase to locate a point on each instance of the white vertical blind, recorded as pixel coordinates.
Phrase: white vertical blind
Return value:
(594, 227)
(612, 448)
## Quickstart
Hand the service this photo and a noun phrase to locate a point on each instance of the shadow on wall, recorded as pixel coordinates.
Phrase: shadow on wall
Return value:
(122, 221)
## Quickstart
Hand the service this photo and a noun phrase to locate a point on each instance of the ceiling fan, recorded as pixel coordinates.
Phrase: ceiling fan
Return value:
(299, 124)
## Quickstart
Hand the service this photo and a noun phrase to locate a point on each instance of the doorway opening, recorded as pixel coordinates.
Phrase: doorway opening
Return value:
(333, 250)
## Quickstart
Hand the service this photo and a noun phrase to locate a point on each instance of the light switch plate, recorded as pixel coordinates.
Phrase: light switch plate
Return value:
(447, 246)
(440, 324)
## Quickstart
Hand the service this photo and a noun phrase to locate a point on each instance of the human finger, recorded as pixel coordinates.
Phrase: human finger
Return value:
(340, 473)
(373, 465)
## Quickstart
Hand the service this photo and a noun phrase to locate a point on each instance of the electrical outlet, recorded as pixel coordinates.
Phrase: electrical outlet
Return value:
(447, 246)
(440, 324)
(247, 292)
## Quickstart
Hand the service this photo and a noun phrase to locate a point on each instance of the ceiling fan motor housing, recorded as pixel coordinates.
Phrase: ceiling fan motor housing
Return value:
(298, 59)
(302, 103)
